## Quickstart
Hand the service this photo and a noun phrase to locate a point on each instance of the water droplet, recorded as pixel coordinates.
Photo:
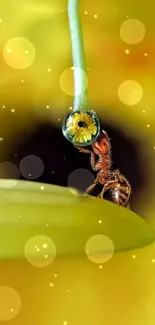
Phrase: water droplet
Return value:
(81, 128)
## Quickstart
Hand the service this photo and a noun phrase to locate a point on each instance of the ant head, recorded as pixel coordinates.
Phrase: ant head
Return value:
(102, 144)
(101, 136)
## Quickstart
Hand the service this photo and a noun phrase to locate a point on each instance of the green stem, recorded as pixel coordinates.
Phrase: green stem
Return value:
(80, 80)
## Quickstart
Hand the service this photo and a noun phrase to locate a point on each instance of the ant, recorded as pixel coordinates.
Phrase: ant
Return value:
(111, 180)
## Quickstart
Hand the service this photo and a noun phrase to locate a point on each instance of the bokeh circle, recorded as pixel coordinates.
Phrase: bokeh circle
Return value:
(80, 179)
(132, 31)
(40, 251)
(67, 81)
(19, 53)
(130, 92)
(9, 174)
(31, 167)
(99, 249)
(10, 303)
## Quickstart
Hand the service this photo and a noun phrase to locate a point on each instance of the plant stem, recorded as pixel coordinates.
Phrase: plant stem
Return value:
(80, 78)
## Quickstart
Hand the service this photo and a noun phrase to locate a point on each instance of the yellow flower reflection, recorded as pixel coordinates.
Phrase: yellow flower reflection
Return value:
(81, 127)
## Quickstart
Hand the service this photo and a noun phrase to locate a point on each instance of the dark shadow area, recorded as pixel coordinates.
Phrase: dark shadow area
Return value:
(60, 159)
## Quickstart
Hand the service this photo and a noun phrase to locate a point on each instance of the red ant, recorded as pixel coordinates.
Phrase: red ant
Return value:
(111, 180)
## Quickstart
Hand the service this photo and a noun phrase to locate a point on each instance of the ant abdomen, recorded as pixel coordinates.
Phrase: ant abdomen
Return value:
(121, 191)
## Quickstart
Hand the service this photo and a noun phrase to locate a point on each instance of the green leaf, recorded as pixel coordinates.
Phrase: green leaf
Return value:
(70, 219)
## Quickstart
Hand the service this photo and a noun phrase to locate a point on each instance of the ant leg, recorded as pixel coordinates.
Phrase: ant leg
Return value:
(90, 188)
(81, 149)
(108, 185)
(116, 174)
(99, 196)
(92, 159)
(126, 189)
(121, 179)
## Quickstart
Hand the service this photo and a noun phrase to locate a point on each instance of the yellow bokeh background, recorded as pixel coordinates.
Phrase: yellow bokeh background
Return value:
(123, 291)
(47, 273)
